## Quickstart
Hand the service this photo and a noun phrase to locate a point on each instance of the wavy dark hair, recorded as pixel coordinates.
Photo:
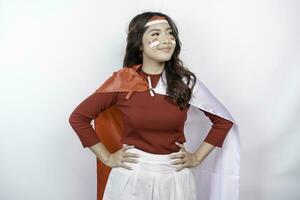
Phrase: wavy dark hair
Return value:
(179, 92)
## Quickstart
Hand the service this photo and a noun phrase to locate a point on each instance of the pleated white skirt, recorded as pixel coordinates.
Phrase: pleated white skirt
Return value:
(152, 178)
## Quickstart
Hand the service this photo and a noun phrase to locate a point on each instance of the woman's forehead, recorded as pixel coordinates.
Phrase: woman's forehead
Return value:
(158, 27)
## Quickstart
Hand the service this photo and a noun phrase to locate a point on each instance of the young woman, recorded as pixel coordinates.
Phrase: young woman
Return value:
(140, 115)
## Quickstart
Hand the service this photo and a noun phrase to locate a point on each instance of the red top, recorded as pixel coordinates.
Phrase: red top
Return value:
(151, 123)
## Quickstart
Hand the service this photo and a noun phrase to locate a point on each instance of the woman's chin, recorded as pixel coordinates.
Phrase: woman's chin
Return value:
(163, 59)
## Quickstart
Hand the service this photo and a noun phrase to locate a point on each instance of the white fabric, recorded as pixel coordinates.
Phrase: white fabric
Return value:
(152, 178)
(217, 177)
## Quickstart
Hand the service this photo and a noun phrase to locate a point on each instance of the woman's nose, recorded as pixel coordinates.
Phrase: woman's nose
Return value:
(166, 41)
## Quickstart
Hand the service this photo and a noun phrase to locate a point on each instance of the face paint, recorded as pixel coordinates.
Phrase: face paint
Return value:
(153, 43)
(156, 22)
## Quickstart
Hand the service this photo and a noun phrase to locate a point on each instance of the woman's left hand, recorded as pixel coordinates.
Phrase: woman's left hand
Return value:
(184, 158)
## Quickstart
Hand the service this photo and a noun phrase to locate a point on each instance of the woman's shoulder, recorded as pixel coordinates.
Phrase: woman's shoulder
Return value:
(121, 80)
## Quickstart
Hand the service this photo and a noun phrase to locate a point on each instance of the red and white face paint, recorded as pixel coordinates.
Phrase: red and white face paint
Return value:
(153, 43)
(158, 43)
(156, 20)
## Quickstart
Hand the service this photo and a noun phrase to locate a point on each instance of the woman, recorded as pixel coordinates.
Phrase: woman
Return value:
(144, 107)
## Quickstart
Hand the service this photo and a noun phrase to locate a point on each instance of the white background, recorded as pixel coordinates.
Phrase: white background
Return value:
(53, 54)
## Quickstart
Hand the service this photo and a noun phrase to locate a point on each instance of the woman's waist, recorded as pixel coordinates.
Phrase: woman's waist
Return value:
(153, 146)
(151, 160)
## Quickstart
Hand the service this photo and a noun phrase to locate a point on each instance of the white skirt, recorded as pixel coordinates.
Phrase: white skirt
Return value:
(152, 178)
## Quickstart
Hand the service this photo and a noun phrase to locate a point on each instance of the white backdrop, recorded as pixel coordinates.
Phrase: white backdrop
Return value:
(53, 54)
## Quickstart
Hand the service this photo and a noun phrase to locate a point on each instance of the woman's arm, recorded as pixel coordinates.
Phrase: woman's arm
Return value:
(81, 118)
(203, 151)
(215, 136)
(100, 151)
(219, 129)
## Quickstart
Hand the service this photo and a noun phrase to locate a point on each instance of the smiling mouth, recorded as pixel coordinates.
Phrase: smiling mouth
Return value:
(165, 49)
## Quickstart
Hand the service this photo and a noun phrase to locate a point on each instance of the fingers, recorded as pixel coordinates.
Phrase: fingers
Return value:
(124, 148)
(182, 158)
(177, 162)
(131, 155)
(125, 166)
(178, 155)
(180, 145)
(129, 160)
(128, 154)
(180, 163)
(125, 157)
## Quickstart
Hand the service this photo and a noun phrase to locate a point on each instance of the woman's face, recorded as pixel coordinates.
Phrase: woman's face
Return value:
(158, 42)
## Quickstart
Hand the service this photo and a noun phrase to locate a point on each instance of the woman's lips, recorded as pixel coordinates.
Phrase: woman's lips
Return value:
(165, 49)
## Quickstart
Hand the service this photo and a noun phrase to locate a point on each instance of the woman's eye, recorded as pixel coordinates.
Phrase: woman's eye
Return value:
(171, 33)
(154, 34)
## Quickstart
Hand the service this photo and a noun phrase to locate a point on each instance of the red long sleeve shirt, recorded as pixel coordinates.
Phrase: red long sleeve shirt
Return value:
(151, 123)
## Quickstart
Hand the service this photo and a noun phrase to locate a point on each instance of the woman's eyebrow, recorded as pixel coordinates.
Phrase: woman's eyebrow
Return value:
(158, 29)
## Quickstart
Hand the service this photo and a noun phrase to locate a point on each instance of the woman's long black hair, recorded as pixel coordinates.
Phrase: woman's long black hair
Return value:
(179, 92)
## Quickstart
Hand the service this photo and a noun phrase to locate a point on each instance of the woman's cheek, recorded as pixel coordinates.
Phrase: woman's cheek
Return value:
(153, 43)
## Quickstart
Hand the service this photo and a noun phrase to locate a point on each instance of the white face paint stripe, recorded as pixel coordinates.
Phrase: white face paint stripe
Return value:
(156, 22)
(153, 44)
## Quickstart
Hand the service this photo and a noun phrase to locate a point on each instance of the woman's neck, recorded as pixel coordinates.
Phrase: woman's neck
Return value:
(153, 67)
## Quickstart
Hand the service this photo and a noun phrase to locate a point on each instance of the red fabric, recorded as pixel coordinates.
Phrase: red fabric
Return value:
(152, 123)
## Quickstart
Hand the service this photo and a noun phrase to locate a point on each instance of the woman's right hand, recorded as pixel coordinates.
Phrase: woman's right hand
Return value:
(117, 158)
